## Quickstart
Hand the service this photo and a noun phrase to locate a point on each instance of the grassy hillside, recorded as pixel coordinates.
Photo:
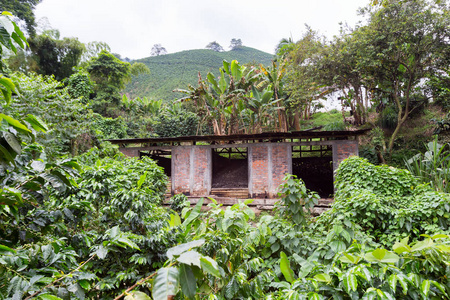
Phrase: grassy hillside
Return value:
(177, 70)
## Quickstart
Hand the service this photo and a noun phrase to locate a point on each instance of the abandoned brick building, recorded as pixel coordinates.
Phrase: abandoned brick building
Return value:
(248, 165)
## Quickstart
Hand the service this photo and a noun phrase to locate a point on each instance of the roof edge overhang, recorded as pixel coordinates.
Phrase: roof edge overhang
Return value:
(262, 137)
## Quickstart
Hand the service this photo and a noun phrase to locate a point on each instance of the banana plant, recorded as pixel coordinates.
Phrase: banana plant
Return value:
(273, 77)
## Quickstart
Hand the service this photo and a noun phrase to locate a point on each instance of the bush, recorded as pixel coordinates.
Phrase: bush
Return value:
(181, 124)
(387, 203)
(109, 128)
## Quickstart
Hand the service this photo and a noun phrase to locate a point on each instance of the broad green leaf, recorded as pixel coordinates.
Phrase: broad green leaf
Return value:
(13, 122)
(187, 281)
(381, 255)
(4, 248)
(248, 201)
(137, 296)
(190, 258)
(439, 236)
(400, 247)
(350, 282)
(425, 287)
(323, 277)
(7, 89)
(141, 180)
(8, 156)
(370, 294)
(337, 246)
(427, 243)
(194, 213)
(439, 286)
(231, 288)
(48, 297)
(393, 282)
(349, 258)
(180, 249)
(128, 242)
(165, 283)
(314, 296)
(210, 266)
(175, 220)
(38, 166)
(84, 284)
(101, 252)
(403, 282)
(286, 268)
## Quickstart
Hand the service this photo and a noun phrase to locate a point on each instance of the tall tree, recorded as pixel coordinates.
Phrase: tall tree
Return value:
(235, 44)
(23, 9)
(110, 75)
(301, 78)
(52, 56)
(157, 50)
(215, 46)
(404, 42)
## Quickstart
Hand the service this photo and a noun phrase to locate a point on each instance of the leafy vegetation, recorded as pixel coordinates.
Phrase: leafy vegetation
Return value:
(178, 70)
(92, 226)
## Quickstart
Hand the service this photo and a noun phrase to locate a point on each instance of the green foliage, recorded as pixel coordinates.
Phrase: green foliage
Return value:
(410, 271)
(387, 203)
(178, 202)
(295, 198)
(178, 70)
(23, 10)
(79, 85)
(388, 118)
(52, 56)
(432, 166)
(48, 100)
(182, 123)
(335, 126)
(109, 128)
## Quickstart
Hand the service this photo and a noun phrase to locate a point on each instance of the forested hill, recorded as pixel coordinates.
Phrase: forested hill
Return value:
(177, 70)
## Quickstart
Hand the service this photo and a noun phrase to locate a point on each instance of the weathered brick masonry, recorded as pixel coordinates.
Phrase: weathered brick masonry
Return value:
(342, 150)
(268, 162)
(131, 152)
(181, 165)
(201, 173)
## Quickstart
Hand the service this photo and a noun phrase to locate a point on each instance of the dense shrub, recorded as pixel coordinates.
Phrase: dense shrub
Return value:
(172, 125)
(387, 203)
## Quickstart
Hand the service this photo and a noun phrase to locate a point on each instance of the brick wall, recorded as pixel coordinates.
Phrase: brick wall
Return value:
(259, 171)
(342, 150)
(181, 165)
(281, 159)
(201, 171)
(131, 152)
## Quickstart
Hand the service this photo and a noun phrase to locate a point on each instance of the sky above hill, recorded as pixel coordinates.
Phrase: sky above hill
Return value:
(132, 27)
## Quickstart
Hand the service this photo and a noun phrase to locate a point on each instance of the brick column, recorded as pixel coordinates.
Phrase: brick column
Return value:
(201, 171)
(131, 152)
(181, 164)
(280, 158)
(258, 168)
(342, 150)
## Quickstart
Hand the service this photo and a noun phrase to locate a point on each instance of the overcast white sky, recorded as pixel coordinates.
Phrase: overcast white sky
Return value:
(132, 27)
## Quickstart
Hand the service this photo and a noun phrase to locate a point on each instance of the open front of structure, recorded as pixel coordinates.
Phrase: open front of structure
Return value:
(247, 166)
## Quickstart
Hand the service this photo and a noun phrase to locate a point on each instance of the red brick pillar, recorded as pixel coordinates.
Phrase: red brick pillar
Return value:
(342, 150)
(181, 165)
(280, 157)
(201, 171)
(258, 169)
(131, 152)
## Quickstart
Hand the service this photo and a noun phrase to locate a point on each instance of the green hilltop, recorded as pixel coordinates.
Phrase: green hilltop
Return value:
(177, 70)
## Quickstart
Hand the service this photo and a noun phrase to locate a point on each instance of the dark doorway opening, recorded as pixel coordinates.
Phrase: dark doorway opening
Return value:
(163, 158)
(230, 168)
(314, 165)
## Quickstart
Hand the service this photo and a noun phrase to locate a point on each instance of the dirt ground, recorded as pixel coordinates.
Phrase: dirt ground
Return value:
(229, 173)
